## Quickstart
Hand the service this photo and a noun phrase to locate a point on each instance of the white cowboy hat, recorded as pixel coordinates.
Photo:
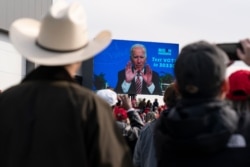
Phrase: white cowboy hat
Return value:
(60, 38)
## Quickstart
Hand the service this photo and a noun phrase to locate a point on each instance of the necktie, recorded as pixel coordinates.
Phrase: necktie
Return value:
(138, 84)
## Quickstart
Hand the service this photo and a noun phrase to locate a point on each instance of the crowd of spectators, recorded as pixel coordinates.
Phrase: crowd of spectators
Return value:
(50, 120)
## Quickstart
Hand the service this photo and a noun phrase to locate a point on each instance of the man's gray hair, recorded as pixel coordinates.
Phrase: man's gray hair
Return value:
(138, 46)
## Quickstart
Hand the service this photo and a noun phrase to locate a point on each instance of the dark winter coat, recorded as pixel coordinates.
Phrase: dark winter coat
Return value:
(200, 133)
(48, 120)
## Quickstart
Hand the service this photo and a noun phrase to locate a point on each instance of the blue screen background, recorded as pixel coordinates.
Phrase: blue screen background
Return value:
(160, 56)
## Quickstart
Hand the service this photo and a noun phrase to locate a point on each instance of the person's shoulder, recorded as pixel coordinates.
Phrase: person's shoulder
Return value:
(12, 91)
(85, 95)
(79, 89)
(82, 89)
(155, 73)
(121, 71)
(148, 127)
(84, 92)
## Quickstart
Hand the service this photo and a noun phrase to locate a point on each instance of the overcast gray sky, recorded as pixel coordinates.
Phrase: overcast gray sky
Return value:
(176, 21)
(171, 21)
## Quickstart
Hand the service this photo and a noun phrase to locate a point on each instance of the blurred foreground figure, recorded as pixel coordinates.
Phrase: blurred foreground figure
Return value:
(128, 120)
(201, 130)
(48, 119)
(239, 96)
(144, 155)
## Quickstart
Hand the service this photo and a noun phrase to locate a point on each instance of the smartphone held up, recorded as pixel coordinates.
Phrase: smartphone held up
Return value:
(230, 49)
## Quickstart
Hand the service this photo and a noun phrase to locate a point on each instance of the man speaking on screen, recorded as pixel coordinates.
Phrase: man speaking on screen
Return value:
(138, 77)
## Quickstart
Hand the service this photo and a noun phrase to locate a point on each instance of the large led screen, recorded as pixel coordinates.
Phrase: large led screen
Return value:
(109, 67)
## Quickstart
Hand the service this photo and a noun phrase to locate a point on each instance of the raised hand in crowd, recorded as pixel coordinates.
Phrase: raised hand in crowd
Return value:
(244, 54)
(126, 102)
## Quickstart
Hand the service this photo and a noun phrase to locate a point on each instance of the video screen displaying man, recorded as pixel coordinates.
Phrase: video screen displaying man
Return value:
(138, 77)
(125, 64)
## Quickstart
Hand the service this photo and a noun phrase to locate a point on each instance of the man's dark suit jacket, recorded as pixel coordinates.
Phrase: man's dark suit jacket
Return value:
(132, 89)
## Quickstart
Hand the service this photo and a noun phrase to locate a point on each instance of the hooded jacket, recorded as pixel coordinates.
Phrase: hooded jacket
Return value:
(49, 120)
(197, 133)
